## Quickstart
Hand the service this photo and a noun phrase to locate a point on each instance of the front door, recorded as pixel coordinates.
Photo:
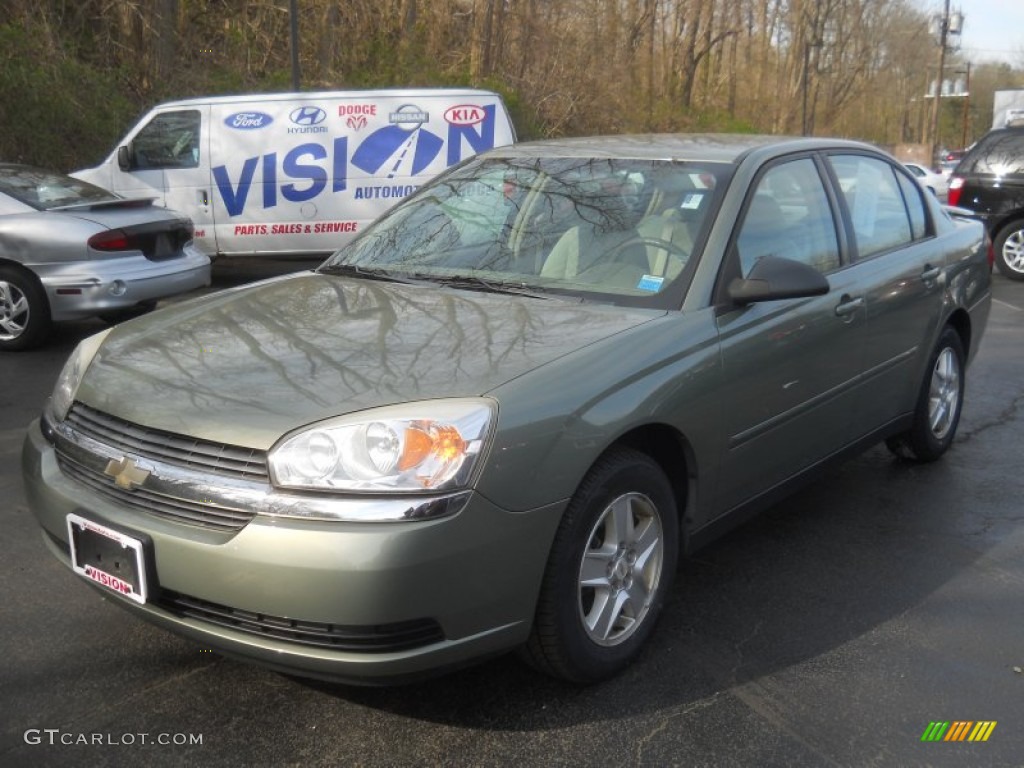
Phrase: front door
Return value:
(790, 367)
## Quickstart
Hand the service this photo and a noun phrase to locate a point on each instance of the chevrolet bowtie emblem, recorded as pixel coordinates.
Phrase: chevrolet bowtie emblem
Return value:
(126, 473)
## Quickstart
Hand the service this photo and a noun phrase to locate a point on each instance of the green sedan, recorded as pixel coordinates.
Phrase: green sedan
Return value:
(498, 417)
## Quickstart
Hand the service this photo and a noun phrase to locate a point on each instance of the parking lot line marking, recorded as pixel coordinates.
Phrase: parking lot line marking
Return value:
(1007, 304)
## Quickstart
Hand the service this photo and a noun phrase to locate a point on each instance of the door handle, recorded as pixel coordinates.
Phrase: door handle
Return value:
(848, 305)
(930, 273)
(204, 198)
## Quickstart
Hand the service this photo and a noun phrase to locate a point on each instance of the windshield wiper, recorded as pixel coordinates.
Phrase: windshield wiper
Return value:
(473, 283)
(365, 273)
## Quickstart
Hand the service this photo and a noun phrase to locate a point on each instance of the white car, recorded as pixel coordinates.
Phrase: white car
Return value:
(937, 183)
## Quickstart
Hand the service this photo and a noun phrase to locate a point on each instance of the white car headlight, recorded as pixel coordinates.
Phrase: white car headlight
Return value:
(426, 446)
(71, 375)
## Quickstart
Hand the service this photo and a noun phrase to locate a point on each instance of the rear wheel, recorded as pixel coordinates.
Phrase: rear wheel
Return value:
(24, 310)
(1009, 248)
(937, 414)
(610, 566)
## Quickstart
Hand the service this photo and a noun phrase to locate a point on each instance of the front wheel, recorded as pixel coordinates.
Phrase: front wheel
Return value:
(1009, 248)
(611, 564)
(937, 413)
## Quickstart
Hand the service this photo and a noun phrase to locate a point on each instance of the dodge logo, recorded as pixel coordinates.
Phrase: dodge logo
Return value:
(307, 116)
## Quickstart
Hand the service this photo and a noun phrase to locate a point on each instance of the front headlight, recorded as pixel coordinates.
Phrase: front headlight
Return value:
(425, 446)
(71, 375)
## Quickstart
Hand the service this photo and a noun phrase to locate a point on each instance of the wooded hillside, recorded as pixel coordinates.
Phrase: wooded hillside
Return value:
(75, 74)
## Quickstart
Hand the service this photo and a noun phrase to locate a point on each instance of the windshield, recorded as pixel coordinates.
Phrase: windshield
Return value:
(43, 189)
(624, 231)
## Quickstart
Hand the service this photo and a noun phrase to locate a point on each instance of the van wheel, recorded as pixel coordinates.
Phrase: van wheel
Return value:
(24, 310)
(937, 414)
(610, 566)
(1009, 248)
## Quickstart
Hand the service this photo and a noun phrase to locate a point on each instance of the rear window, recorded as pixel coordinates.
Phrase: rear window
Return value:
(1000, 153)
(43, 189)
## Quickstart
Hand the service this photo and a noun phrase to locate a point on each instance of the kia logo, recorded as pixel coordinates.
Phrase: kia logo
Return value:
(307, 116)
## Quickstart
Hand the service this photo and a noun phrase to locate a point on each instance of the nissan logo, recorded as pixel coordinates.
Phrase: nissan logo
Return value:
(307, 116)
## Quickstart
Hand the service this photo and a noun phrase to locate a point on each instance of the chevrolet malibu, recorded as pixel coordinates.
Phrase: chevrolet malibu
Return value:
(498, 417)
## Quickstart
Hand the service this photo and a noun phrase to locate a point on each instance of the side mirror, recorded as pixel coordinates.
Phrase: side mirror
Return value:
(774, 278)
(124, 158)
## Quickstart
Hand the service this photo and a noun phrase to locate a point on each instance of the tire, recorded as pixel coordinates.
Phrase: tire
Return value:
(24, 310)
(941, 398)
(610, 566)
(1009, 248)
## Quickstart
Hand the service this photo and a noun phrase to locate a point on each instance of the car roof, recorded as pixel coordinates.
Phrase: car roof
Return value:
(310, 96)
(705, 147)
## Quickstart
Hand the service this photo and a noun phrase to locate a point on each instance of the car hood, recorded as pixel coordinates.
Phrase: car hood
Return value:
(248, 365)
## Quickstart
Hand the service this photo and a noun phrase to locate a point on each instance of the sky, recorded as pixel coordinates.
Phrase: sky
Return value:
(993, 29)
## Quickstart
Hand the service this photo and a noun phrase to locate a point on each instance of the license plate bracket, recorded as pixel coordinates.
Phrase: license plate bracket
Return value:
(108, 557)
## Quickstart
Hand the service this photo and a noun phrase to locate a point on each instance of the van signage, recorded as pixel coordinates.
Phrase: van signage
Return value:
(307, 116)
(308, 170)
(248, 121)
(464, 114)
(408, 117)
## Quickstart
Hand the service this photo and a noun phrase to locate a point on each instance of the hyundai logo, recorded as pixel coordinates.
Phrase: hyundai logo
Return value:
(307, 116)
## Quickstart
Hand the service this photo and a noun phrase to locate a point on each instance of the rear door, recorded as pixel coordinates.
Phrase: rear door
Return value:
(902, 272)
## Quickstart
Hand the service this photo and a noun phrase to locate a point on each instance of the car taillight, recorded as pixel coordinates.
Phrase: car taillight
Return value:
(956, 188)
(111, 240)
(991, 251)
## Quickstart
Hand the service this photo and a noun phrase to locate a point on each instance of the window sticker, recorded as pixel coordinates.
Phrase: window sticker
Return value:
(650, 283)
(692, 201)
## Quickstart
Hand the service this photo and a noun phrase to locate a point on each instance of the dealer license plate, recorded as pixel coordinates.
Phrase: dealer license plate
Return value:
(108, 557)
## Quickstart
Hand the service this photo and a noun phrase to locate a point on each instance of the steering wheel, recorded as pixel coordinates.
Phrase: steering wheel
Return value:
(654, 242)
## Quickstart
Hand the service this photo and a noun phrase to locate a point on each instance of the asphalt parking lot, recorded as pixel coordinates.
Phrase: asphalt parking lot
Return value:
(830, 631)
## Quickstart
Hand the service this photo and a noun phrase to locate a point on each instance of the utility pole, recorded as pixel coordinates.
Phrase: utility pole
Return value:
(293, 23)
(942, 26)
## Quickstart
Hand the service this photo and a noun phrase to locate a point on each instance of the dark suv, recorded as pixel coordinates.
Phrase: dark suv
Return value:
(990, 181)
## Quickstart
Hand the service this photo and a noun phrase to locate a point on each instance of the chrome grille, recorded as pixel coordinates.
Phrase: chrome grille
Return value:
(179, 450)
(206, 515)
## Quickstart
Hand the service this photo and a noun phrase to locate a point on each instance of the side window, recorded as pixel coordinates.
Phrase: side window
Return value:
(789, 216)
(915, 207)
(879, 216)
(169, 140)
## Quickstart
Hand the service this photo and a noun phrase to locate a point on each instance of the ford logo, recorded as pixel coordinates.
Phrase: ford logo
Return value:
(307, 116)
(248, 121)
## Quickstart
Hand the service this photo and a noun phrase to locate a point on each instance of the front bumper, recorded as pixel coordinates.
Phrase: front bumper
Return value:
(86, 288)
(261, 590)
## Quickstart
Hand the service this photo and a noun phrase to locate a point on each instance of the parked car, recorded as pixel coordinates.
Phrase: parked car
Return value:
(69, 250)
(497, 417)
(948, 161)
(990, 181)
(936, 183)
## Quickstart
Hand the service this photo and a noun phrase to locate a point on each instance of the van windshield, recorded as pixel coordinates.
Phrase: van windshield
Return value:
(618, 230)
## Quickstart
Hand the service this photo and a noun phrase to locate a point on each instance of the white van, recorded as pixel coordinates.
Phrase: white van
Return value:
(297, 173)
